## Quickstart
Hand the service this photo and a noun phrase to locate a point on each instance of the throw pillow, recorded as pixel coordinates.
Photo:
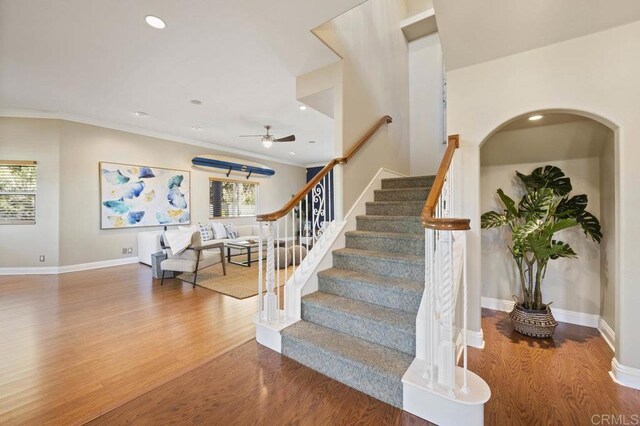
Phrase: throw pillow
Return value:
(219, 232)
(206, 233)
(232, 231)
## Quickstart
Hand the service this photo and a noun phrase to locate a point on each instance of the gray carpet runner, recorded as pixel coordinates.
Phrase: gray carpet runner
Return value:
(360, 327)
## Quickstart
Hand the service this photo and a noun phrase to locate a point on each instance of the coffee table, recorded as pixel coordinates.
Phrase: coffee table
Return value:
(243, 247)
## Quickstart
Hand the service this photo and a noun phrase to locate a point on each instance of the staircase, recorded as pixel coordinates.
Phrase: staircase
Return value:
(360, 326)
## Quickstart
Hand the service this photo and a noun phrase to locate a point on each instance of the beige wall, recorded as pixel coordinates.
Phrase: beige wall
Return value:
(597, 75)
(608, 222)
(572, 284)
(27, 139)
(375, 82)
(81, 148)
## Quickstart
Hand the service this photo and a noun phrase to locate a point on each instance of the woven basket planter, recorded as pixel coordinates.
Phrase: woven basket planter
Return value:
(540, 324)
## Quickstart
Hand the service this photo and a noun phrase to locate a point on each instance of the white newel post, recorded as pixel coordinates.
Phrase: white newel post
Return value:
(270, 299)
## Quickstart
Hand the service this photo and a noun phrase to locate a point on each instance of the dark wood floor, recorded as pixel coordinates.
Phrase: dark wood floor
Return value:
(77, 345)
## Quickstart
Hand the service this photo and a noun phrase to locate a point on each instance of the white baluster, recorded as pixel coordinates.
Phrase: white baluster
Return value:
(260, 287)
(270, 302)
(465, 388)
(277, 247)
(286, 262)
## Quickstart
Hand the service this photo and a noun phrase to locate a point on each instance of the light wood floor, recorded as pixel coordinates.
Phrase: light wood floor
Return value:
(77, 345)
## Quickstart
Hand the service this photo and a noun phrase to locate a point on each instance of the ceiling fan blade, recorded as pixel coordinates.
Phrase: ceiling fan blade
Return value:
(250, 136)
(289, 138)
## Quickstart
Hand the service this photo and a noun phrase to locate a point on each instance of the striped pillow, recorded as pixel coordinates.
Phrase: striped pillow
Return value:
(232, 231)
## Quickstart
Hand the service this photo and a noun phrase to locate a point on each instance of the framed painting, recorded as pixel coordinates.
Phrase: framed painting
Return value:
(135, 196)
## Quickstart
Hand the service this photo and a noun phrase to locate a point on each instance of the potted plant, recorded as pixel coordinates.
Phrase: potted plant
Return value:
(545, 209)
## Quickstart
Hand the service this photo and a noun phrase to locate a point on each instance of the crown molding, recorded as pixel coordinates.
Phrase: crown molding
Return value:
(28, 113)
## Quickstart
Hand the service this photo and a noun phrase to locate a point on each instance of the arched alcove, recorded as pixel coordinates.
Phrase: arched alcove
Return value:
(583, 146)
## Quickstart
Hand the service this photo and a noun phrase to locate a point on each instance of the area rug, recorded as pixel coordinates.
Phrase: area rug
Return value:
(240, 282)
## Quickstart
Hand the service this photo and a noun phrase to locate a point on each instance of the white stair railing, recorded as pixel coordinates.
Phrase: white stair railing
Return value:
(299, 233)
(444, 303)
(302, 225)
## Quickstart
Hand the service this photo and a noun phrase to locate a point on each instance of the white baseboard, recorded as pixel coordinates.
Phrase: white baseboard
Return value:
(475, 339)
(54, 270)
(625, 376)
(607, 333)
(562, 315)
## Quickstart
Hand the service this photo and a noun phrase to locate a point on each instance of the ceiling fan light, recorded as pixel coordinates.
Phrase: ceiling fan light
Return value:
(267, 143)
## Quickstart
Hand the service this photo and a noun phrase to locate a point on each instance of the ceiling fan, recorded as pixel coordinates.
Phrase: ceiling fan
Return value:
(268, 139)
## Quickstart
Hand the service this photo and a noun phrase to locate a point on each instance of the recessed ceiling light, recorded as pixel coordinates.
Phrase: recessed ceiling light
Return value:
(196, 128)
(302, 107)
(140, 113)
(312, 141)
(155, 22)
(292, 153)
(196, 101)
(535, 117)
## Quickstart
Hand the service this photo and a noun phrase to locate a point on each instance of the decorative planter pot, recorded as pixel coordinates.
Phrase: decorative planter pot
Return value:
(534, 323)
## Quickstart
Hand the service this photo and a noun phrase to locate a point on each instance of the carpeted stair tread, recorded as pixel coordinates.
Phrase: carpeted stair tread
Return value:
(407, 182)
(401, 194)
(380, 255)
(393, 242)
(391, 223)
(396, 293)
(392, 328)
(365, 366)
(397, 265)
(394, 208)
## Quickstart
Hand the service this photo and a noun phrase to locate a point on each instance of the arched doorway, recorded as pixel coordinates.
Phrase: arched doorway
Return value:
(584, 290)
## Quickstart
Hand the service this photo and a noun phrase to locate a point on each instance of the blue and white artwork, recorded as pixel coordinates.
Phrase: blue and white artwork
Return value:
(134, 196)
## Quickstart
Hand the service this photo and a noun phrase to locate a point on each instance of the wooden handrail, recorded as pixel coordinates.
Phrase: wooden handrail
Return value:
(269, 217)
(429, 210)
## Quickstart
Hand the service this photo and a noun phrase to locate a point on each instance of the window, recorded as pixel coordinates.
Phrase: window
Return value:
(230, 198)
(17, 192)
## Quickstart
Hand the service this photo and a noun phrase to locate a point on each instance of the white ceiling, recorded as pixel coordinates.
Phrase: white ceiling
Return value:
(556, 137)
(475, 31)
(99, 61)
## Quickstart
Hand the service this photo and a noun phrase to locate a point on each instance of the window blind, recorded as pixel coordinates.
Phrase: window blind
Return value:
(232, 198)
(17, 192)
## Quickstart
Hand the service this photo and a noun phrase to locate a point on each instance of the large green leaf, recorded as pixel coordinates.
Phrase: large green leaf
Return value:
(561, 249)
(522, 232)
(547, 177)
(572, 207)
(536, 203)
(493, 220)
(590, 225)
(560, 225)
(509, 204)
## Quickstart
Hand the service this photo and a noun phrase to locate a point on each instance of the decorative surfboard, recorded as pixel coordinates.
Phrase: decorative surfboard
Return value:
(230, 165)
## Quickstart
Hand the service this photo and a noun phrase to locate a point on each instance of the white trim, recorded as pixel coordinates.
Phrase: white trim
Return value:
(562, 315)
(607, 333)
(475, 339)
(54, 270)
(25, 113)
(625, 376)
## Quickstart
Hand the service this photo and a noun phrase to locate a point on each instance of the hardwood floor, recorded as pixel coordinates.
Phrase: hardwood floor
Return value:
(77, 345)
(113, 342)
(563, 381)
(255, 385)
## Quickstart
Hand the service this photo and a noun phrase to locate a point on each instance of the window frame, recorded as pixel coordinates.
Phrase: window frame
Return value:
(236, 181)
(34, 193)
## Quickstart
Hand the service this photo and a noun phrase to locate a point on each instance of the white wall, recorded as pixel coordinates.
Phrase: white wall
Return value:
(571, 284)
(78, 148)
(426, 107)
(375, 82)
(22, 245)
(597, 74)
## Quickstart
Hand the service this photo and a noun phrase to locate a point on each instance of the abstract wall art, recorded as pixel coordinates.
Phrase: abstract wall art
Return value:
(135, 196)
